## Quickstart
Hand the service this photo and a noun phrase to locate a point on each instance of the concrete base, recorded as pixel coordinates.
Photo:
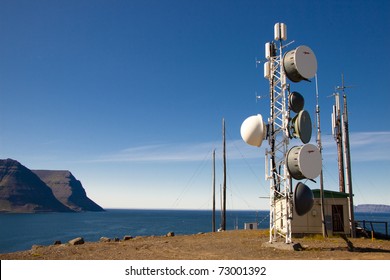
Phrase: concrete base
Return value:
(285, 246)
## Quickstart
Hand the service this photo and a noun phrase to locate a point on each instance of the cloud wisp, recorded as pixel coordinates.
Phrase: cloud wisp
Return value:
(182, 152)
(365, 146)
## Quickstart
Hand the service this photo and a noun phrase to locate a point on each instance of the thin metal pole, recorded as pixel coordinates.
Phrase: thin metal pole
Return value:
(348, 167)
(319, 143)
(224, 178)
(213, 215)
(339, 140)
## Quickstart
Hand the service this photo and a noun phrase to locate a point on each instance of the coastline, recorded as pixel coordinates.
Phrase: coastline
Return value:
(228, 245)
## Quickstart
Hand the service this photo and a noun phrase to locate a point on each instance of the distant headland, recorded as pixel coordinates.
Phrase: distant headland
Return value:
(30, 191)
(372, 208)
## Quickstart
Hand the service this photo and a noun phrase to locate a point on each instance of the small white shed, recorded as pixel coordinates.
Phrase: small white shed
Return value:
(336, 215)
(250, 226)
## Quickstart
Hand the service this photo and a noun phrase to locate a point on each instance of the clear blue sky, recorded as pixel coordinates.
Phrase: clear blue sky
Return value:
(130, 95)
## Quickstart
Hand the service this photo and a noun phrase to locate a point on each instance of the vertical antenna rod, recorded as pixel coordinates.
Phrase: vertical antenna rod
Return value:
(347, 158)
(338, 136)
(213, 215)
(223, 223)
(319, 144)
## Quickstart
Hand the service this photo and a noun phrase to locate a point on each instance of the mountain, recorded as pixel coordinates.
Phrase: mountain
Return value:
(23, 191)
(67, 189)
(373, 208)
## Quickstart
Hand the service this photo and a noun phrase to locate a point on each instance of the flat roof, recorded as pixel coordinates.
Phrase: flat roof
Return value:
(330, 194)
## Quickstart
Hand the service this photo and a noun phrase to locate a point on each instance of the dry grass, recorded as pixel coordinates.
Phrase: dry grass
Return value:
(237, 244)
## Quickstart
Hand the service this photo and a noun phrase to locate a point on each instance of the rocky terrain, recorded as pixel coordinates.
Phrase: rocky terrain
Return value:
(25, 191)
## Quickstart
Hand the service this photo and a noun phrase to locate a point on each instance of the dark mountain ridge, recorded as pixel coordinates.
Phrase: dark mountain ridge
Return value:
(67, 189)
(23, 191)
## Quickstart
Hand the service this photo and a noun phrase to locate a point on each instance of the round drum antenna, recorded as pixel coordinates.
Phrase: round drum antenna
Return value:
(300, 64)
(302, 127)
(296, 102)
(303, 199)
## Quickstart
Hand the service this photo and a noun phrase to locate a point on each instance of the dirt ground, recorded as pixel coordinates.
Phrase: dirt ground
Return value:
(236, 245)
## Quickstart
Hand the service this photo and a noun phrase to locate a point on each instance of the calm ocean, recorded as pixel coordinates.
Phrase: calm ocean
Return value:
(21, 231)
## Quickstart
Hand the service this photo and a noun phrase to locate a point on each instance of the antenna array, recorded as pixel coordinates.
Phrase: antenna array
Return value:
(283, 164)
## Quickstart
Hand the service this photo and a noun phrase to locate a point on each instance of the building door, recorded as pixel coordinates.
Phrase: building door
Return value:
(337, 218)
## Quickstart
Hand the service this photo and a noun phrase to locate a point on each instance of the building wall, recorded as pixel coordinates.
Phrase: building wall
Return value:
(311, 223)
(250, 226)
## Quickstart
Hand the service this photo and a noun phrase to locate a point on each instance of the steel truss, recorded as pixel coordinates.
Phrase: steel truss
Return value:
(278, 136)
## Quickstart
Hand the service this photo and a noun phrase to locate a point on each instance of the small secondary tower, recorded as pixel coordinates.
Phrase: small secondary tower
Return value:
(284, 164)
(340, 123)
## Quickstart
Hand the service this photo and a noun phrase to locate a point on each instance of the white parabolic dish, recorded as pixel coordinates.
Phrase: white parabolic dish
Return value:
(253, 130)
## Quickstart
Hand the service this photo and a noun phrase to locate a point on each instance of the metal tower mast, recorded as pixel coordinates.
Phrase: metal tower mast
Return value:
(282, 164)
(277, 174)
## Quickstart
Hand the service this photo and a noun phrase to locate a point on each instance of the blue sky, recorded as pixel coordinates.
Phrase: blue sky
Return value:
(130, 95)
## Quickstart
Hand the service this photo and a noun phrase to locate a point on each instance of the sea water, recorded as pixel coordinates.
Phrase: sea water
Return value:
(21, 231)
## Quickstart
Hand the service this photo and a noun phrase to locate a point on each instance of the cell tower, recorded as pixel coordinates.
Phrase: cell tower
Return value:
(283, 164)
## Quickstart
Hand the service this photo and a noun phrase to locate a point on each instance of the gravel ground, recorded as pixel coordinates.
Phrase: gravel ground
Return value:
(235, 245)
